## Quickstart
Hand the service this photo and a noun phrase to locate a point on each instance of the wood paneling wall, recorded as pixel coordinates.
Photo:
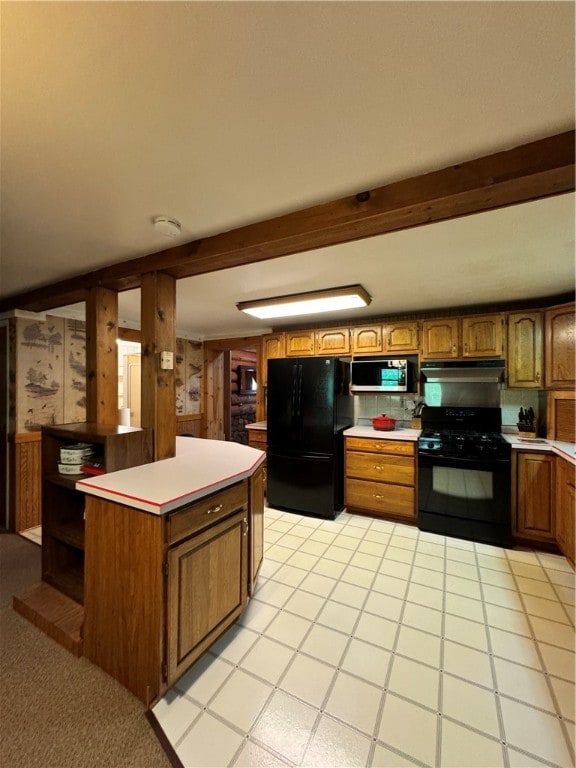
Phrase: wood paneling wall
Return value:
(25, 481)
(189, 425)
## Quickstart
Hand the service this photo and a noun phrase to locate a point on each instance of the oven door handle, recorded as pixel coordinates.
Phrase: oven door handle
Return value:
(457, 462)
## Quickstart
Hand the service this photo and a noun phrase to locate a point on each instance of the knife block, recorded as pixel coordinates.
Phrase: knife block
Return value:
(523, 432)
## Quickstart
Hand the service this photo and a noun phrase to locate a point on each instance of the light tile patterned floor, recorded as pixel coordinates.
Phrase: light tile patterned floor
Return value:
(370, 643)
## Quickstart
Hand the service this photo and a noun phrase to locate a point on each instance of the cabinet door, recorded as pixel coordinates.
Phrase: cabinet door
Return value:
(367, 339)
(299, 343)
(534, 507)
(400, 337)
(273, 346)
(561, 416)
(482, 336)
(332, 341)
(207, 590)
(560, 348)
(440, 338)
(256, 524)
(565, 507)
(525, 350)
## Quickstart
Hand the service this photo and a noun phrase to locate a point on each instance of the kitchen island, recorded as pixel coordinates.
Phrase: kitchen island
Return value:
(172, 551)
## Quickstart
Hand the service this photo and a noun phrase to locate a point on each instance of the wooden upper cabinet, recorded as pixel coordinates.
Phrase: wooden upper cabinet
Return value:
(400, 337)
(560, 348)
(332, 341)
(482, 336)
(273, 346)
(367, 339)
(561, 416)
(525, 359)
(299, 343)
(440, 339)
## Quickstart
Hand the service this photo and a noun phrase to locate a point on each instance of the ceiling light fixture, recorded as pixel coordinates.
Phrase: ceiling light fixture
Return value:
(329, 300)
(166, 226)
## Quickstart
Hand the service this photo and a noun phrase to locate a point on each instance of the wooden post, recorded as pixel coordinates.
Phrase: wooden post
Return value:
(102, 356)
(158, 322)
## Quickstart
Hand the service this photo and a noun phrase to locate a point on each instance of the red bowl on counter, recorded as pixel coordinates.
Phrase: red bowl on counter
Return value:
(384, 423)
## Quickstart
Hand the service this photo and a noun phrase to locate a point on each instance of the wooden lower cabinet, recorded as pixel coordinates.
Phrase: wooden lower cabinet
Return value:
(533, 517)
(257, 488)
(207, 590)
(159, 590)
(565, 507)
(380, 477)
(258, 438)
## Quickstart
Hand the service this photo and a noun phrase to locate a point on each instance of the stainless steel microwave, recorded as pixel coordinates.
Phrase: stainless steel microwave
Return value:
(372, 375)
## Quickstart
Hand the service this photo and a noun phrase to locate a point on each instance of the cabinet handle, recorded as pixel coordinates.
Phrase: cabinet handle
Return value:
(378, 496)
(245, 521)
(389, 339)
(466, 347)
(537, 375)
(214, 509)
(453, 347)
(378, 467)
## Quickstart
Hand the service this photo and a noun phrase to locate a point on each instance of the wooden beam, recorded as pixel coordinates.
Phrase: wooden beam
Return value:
(102, 356)
(531, 171)
(158, 407)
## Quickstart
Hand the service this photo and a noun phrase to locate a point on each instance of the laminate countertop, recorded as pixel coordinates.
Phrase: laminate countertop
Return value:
(402, 433)
(563, 449)
(199, 468)
(257, 425)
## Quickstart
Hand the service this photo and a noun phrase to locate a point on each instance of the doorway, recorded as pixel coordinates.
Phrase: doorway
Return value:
(218, 387)
(129, 382)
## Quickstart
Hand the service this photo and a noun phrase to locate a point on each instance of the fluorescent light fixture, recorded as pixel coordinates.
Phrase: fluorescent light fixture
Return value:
(329, 300)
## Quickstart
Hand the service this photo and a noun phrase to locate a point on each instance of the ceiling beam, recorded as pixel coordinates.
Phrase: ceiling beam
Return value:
(531, 171)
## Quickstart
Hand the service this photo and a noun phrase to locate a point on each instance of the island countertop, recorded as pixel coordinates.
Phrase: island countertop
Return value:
(199, 468)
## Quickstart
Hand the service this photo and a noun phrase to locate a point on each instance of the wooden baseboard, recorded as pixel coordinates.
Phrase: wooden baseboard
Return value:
(54, 613)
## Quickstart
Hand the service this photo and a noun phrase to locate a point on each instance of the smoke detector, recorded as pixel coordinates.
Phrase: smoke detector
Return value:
(166, 226)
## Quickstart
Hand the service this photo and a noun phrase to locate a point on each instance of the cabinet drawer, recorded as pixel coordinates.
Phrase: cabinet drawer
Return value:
(380, 498)
(205, 512)
(387, 469)
(399, 447)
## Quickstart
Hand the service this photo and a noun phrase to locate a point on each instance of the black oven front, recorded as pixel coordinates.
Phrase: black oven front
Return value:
(464, 475)
(465, 498)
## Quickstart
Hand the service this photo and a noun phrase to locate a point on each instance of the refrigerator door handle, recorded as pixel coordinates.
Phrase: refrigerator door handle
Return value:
(294, 403)
(299, 404)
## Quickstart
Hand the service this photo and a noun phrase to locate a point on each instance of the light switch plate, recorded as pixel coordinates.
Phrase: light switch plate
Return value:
(166, 361)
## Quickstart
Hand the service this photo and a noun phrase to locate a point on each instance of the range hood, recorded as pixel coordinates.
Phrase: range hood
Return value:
(463, 371)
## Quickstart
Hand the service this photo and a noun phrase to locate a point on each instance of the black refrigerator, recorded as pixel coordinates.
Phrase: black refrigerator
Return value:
(308, 408)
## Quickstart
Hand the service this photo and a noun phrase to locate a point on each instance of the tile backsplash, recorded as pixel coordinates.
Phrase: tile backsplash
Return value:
(401, 407)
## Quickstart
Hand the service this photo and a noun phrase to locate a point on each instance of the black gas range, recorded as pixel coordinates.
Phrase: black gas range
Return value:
(463, 432)
(464, 478)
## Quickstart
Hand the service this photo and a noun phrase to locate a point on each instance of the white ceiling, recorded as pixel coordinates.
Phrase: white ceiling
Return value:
(220, 114)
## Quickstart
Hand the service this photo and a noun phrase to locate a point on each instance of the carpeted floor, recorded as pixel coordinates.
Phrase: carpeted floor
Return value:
(57, 711)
